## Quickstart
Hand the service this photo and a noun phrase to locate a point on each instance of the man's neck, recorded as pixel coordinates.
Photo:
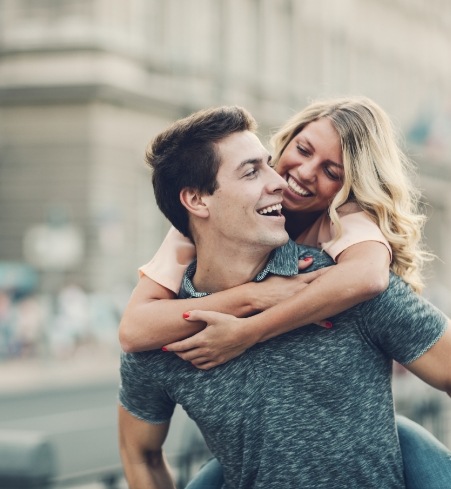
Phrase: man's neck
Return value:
(219, 268)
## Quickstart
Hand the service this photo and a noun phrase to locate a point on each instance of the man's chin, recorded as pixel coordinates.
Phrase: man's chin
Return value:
(279, 239)
(284, 239)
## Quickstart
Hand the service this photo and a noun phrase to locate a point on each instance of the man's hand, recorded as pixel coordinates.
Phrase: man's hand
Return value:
(224, 338)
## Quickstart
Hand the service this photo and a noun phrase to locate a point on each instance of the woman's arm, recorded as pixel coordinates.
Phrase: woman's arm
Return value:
(152, 318)
(362, 272)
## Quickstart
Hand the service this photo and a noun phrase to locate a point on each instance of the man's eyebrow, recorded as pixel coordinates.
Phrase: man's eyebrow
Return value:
(254, 161)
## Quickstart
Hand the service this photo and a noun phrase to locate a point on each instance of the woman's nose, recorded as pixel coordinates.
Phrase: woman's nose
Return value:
(306, 171)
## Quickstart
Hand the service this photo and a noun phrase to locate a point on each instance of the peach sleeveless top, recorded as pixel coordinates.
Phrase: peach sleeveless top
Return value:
(177, 252)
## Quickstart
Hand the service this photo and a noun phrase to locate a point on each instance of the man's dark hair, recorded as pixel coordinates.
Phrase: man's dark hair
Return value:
(185, 156)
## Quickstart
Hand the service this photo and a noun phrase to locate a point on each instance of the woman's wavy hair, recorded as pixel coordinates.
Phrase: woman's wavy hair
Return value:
(377, 176)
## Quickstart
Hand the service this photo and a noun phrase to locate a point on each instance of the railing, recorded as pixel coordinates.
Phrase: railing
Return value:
(424, 405)
(28, 461)
(109, 477)
(187, 463)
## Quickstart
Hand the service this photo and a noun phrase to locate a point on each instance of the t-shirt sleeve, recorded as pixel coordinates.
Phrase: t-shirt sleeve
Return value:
(401, 323)
(140, 394)
(170, 261)
(357, 227)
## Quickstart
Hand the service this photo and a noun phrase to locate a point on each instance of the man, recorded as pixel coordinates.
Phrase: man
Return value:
(311, 408)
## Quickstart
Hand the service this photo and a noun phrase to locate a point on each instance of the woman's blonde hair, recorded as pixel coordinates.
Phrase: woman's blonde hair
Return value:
(376, 176)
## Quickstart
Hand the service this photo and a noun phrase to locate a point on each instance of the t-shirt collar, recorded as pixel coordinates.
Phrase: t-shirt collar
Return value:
(283, 261)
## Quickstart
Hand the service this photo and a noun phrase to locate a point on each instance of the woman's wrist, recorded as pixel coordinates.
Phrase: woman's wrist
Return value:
(250, 331)
(256, 298)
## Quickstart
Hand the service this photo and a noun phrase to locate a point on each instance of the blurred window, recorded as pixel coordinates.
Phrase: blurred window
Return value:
(51, 9)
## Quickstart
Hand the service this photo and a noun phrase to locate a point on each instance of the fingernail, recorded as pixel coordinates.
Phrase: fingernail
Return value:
(308, 258)
(328, 324)
(186, 315)
(164, 348)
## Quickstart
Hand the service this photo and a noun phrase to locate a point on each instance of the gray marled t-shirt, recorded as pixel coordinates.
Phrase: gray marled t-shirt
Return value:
(309, 409)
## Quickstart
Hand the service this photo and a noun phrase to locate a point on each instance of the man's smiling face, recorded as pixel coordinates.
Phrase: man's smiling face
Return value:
(246, 207)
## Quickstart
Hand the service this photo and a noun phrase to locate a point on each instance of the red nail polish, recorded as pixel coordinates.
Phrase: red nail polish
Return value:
(164, 348)
(328, 324)
(308, 258)
(186, 315)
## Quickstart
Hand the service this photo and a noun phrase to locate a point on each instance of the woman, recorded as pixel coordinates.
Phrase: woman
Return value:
(348, 193)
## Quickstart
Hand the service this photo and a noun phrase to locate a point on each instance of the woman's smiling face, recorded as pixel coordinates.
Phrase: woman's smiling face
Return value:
(312, 165)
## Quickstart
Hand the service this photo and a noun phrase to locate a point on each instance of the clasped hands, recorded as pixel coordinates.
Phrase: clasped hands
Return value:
(226, 336)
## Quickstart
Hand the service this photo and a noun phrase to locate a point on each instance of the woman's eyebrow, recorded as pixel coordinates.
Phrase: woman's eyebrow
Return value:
(334, 163)
(307, 142)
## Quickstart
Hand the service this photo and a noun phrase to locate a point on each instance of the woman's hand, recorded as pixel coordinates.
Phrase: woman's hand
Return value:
(224, 338)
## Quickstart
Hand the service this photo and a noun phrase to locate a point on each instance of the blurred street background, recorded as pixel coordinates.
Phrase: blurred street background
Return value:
(85, 84)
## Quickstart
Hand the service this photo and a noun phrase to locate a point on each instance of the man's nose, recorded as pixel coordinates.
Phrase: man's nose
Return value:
(276, 182)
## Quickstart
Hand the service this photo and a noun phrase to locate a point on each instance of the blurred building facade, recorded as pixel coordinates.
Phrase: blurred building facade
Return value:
(85, 84)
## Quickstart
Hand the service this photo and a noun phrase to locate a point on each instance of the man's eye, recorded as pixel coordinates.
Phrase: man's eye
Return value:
(251, 173)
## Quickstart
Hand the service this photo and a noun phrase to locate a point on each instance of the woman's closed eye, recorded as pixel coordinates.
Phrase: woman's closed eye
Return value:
(302, 150)
(332, 174)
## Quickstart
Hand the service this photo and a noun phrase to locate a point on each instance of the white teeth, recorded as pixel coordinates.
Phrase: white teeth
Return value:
(271, 208)
(292, 184)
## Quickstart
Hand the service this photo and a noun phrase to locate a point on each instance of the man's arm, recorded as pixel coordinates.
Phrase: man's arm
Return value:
(141, 452)
(434, 367)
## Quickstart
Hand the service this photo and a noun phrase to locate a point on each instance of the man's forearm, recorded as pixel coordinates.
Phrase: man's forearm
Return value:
(140, 445)
(152, 473)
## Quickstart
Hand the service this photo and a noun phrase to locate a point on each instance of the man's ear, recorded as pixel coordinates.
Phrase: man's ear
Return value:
(192, 200)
